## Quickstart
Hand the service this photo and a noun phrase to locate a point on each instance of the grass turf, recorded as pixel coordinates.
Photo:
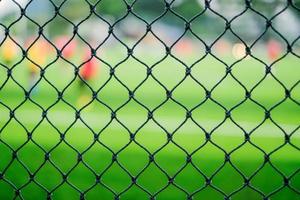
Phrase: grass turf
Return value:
(151, 138)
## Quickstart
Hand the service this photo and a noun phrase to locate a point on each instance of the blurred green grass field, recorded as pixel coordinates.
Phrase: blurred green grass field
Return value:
(151, 138)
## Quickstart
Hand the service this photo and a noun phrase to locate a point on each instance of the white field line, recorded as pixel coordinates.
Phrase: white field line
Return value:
(96, 121)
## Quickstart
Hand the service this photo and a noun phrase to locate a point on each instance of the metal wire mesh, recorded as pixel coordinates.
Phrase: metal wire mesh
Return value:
(207, 180)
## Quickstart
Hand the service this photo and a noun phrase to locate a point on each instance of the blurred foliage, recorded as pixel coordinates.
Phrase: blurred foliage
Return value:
(142, 7)
(77, 10)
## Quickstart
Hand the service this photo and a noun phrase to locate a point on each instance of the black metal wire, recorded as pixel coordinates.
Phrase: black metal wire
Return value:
(188, 29)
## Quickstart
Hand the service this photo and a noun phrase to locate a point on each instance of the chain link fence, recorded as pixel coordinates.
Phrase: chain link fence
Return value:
(147, 140)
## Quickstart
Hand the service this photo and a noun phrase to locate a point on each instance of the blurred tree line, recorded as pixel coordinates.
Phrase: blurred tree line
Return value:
(144, 8)
(111, 10)
(187, 8)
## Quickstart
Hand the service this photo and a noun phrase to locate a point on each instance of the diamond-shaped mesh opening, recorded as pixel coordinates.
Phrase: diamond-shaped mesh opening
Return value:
(139, 99)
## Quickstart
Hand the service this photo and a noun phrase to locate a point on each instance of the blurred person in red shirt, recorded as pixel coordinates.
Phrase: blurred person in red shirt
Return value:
(88, 71)
(274, 50)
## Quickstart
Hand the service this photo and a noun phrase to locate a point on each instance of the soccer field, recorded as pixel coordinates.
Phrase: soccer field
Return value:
(97, 137)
